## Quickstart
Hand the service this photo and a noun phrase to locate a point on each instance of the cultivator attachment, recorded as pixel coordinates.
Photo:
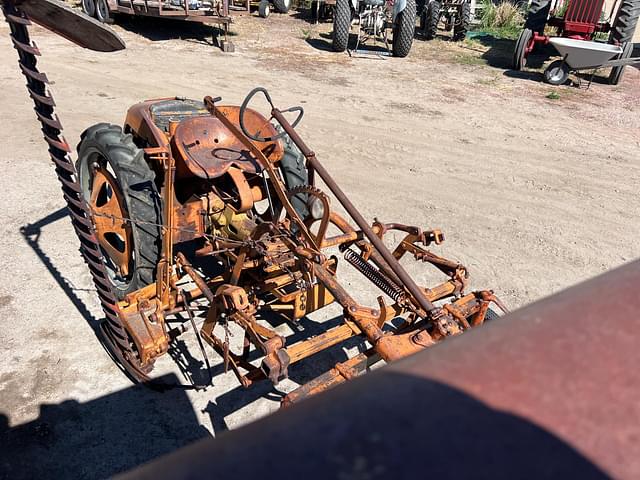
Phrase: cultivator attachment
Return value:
(224, 262)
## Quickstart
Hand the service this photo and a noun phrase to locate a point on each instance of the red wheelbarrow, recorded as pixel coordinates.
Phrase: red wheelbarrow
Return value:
(579, 20)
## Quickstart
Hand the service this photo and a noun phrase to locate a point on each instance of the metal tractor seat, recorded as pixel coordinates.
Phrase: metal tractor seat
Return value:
(209, 149)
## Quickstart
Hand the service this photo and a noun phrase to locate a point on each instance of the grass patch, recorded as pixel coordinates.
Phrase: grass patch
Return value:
(503, 20)
(467, 59)
(553, 96)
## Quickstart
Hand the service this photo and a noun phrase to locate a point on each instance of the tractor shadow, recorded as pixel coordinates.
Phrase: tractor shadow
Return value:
(162, 29)
(31, 234)
(500, 55)
(188, 358)
(99, 438)
(324, 43)
(299, 373)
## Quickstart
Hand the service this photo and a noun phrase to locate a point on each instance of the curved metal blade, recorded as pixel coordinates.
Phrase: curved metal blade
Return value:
(72, 25)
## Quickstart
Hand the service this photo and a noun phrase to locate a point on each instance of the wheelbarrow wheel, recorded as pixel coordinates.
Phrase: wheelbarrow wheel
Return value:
(264, 9)
(557, 73)
(520, 52)
(341, 25)
(616, 72)
(119, 188)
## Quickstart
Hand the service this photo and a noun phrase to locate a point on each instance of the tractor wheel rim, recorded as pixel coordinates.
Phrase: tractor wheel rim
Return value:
(111, 226)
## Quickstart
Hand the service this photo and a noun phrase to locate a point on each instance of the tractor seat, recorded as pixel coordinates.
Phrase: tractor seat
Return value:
(204, 147)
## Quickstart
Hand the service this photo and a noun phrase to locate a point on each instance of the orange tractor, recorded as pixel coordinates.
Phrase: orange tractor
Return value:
(211, 216)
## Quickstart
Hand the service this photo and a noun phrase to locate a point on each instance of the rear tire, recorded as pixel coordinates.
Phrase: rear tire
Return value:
(431, 16)
(264, 9)
(460, 30)
(616, 72)
(102, 11)
(624, 26)
(294, 173)
(89, 7)
(520, 53)
(341, 25)
(282, 6)
(404, 30)
(538, 15)
(108, 148)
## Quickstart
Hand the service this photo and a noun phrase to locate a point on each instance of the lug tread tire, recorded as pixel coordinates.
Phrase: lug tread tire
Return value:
(432, 18)
(538, 15)
(404, 30)
(626, 21)
(460, 31)
(341, 25)
(616, 72)
(139, 191)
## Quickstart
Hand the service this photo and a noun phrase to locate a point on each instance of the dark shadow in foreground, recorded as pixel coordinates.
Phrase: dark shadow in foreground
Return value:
(431, 430)
(99, 438)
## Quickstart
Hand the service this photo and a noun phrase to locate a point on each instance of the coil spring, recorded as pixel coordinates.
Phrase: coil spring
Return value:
(379, 279)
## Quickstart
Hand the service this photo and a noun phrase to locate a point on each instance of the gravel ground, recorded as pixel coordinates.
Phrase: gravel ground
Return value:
(533, 193)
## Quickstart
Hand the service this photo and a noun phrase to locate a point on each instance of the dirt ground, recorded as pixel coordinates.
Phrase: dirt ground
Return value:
(536, 188)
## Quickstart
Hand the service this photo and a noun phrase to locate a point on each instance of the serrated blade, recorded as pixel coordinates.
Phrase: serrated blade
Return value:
(72, 25)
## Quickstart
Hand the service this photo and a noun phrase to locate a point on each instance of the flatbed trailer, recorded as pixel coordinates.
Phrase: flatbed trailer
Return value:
(210, 12)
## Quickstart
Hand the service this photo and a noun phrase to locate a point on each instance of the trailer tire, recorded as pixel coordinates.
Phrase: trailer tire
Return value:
(89, 7)
(430, 19)
(624, 26)
(282, 6)
(102, 11)
(616, 72)
(113, 151)
(520, 51)
(460, 30)
(341, 25)
(538, 15)
(264, 9)
(404, 30)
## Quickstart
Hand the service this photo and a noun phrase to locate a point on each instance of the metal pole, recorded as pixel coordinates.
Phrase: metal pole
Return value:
(402, 274)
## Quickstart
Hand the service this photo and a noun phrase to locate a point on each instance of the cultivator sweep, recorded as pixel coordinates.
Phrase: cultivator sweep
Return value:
(199, 212)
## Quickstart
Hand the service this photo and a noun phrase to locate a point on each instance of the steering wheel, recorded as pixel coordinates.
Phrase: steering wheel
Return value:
(243, 110)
